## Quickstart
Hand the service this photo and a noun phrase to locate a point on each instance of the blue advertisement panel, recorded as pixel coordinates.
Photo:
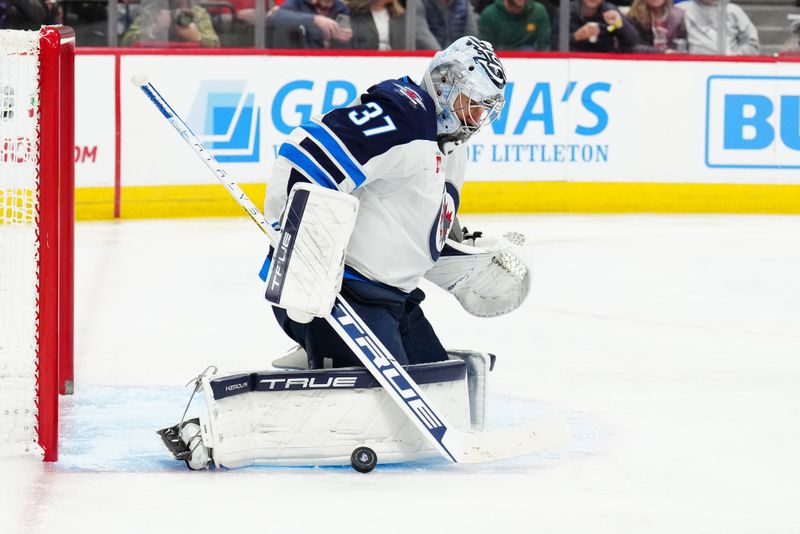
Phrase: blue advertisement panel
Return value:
(565, 119)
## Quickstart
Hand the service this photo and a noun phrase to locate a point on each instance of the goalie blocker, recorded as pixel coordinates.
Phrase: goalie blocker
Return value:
(285, 417)
(305, 273)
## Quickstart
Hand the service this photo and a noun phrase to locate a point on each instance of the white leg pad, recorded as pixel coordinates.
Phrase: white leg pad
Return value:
(319, 417)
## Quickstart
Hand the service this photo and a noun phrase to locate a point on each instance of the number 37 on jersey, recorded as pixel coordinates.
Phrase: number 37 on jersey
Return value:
(372, 113)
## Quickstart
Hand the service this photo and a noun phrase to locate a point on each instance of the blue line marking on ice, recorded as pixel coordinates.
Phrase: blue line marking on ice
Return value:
(114, 428)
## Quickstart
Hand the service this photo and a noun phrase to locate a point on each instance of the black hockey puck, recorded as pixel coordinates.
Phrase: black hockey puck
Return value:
(363, 459)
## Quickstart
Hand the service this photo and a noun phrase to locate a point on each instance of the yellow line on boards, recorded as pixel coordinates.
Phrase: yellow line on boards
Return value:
(163, 201)
(180, 201)
(594, 197)
(94, 203)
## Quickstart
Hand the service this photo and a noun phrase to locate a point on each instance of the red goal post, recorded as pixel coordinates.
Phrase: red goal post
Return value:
(36, 236)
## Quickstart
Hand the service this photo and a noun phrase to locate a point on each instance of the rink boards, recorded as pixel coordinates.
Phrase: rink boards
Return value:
(578, 134)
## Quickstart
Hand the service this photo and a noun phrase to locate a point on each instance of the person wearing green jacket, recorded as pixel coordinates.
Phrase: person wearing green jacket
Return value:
(166, 21)
(515, 25)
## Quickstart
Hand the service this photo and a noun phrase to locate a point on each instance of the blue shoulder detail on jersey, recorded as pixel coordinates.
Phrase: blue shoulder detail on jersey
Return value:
(318, 154)
(326, 140)
(391, 113)
(309, 166)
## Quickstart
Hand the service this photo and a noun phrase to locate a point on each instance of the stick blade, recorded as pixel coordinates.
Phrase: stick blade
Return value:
(529, 438)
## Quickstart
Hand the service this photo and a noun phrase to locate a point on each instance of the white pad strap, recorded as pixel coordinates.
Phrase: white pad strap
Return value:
(478, 366)
(488, 281)
(305, 274)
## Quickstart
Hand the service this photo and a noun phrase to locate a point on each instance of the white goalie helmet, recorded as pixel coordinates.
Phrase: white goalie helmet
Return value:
(467, 81)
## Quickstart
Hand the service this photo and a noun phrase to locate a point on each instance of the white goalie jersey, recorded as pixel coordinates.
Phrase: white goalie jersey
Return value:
(383, 150)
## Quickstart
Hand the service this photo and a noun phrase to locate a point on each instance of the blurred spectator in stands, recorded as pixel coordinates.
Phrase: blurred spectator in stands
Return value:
(234, 20)
(549, 5)
(515, 25)
(245, 10)
(127, 11)
(552, 11)
(480, 5)
(660, 25)
(178, 21)
(703, 25)
(312, 24)
(450, 20)
(89, 19)
(53, 12)
(792, 46)
(380, 25)
(598, 26)
(28, 14)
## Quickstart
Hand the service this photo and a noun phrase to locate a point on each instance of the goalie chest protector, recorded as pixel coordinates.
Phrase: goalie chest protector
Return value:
(383, 150)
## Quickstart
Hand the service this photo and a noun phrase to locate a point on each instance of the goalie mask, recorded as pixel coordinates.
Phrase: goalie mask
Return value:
(466, 80)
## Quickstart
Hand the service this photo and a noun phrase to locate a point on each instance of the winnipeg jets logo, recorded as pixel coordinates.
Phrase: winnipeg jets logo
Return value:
(410, 94)
(444, 220)
(485, 57)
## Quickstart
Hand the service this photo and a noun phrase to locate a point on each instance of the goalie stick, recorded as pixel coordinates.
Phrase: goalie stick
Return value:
(457, 445)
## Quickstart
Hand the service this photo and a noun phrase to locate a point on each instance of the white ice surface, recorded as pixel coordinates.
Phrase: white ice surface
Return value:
(671, 345)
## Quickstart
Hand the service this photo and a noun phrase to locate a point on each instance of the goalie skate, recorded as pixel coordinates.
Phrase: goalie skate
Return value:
(185, 443)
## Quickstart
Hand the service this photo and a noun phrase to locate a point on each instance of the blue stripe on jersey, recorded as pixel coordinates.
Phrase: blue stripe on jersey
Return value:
(265, 266)
(349, 274)
(352, 274)
(332, 146)
(312, 170)
(322, 159)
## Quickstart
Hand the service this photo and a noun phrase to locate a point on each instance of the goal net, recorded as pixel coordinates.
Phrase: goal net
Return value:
(35, 236)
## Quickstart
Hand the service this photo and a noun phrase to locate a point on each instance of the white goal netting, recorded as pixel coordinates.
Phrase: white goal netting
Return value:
(19, 243)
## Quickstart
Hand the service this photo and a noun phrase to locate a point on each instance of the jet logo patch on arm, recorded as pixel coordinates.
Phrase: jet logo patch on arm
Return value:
(412, 96)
